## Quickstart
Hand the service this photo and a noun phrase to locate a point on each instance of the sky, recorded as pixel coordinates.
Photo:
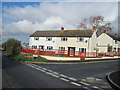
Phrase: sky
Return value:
(21, 19)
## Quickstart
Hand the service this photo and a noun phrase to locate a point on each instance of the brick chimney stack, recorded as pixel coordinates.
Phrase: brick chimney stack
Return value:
(116, 34)
(62, 28)
(94, 28)
(104, 31)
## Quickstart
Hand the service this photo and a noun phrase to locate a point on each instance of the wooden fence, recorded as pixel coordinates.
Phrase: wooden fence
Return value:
(55, 52)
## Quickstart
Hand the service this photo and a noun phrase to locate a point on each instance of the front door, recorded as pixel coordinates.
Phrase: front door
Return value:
(41, 47)
(71, 51)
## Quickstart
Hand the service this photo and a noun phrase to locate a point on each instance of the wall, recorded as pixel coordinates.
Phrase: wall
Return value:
(42, 41)
(71, 42)
(93, 43)
(104, 40)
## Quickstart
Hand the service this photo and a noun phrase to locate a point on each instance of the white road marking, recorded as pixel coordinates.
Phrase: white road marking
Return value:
(50, 70)
(96, 87)
(64, 79)
(55, 76)
(48, 73)
(55, 72)
(75, 83)
(63, 75)
(84, 83)
(44, 68)
(86, 88)
(72, 78)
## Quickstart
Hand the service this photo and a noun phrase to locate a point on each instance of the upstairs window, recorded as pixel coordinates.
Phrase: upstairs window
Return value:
(49, 38)
(36, 38)
(49, 47)
(80, 39)
(63, 38)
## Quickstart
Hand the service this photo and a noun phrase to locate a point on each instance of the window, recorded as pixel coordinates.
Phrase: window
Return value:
(36, 38)
(49, 38)
(63, 38)
(49, 47)
(61, 48)
(114, 50)
(34, 46)
(115, 41)
(82, 49)
(80, 39)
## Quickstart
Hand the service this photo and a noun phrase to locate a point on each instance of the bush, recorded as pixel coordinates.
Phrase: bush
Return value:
(12, 47)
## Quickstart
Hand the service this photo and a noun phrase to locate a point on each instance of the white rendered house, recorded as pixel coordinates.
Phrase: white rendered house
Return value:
(108, 43)
(75, 40)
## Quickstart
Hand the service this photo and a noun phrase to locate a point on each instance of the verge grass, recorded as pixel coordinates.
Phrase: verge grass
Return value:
(21, 57)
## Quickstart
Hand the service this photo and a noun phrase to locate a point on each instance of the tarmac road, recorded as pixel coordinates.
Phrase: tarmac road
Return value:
(84, 75)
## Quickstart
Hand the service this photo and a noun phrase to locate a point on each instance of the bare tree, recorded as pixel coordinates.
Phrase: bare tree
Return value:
(96, 21)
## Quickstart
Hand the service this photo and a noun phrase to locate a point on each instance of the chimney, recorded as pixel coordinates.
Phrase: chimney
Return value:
(116, 34)
(94, 28)
(104, 31)
(62, 28)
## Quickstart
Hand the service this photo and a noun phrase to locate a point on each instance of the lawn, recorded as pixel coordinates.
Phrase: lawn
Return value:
(21, 57)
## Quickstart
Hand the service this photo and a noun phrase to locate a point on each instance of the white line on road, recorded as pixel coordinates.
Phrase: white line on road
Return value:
(55, 72)
(96, 87)
(87, 88)
(50, 70)
(75, 83)
(84, 83)
(44, 68)
(63, 75)
(71, 78)
(64, 79)
(55, 76)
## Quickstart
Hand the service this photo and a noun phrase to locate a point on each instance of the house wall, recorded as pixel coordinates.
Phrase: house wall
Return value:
(72, 42)
(43, 41)
(104, 40)
(93, 43)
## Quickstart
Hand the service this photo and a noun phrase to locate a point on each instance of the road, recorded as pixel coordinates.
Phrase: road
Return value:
(84, 75)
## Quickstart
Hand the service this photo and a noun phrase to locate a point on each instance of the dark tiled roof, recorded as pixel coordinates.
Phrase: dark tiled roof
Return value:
(113, 37)
(64, 33)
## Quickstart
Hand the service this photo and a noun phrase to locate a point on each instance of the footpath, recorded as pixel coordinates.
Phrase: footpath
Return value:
(114, 80)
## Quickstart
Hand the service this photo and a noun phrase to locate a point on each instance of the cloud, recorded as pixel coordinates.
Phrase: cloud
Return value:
(51, 16)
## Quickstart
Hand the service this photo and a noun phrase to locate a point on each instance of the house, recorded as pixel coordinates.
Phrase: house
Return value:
(71, 40)
(108, 43)
(25, 44)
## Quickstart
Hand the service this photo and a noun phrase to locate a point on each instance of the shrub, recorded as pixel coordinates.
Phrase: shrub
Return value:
(12, 47)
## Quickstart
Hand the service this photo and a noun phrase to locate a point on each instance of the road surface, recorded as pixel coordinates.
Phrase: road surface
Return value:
(84, 75)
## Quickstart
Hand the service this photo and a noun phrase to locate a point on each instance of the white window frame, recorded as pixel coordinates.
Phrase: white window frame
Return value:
(36, 38)
(48, 38)
(49, 47)
(34, 46)
(80, 39)
(64, 39)
(61, 48)
(80, 50)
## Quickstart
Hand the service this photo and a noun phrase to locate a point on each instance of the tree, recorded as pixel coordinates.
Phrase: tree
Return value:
(96, 21)
(12, 47)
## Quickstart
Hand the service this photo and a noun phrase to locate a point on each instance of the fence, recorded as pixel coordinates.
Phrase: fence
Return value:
(55, 52)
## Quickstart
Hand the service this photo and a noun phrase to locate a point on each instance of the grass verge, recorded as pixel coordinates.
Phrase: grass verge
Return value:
(21, 57)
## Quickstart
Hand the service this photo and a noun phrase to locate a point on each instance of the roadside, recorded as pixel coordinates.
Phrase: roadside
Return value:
(114, 79)
(8, 81)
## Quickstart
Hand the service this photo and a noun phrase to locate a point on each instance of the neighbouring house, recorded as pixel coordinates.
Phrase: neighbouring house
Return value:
(70, 40)
(25, 44)
(108, 43)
